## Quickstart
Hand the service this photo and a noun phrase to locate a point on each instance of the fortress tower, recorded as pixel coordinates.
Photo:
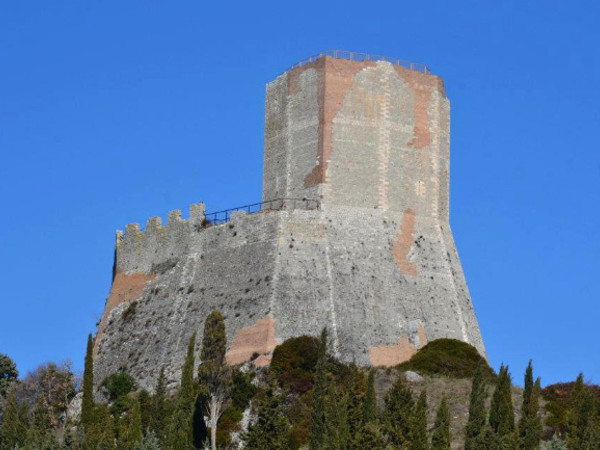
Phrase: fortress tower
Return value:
(353, 234)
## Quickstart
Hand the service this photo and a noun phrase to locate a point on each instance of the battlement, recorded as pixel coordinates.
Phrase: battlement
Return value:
(154, 226)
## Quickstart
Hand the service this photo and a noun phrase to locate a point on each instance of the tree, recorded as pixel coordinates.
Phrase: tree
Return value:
(150, 442)
(477, 412)
(8, 374)
(213, 373)
(337, 434)
(418, 425)
(371, 437)
(146, 407)
(11, 428)
(40, 435)
(87, 402)
(530, 424)
(130, 428)
(398, 412)
(356, 396)
(582, 432)
(56, 384)
(100, 432)
(370, 403)
(119, 384)
(159, 419)
(271, 430)
(317, 426)
(181, 429)
(441, 438)
(502, 416)
(486, 440)
(23, 424)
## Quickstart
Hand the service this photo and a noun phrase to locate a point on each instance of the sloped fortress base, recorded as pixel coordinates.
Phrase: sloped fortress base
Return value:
(376, 263)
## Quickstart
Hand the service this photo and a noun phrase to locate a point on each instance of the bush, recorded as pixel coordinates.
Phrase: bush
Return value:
(294, 363)
(449, 357)
(558, 401)
(119, 384)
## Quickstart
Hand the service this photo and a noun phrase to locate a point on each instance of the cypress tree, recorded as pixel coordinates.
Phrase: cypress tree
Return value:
(486, 440)
(159, 418)
(441, 438)
(477, 412)
(575, 407)
(582, 433)
(337, 435)
(502, 416)
(100, 434)
(10, 427)
(146, 407)
(213, 374)
(370, 403)
(23, 425)
(418, 425)
(398, 412)
(271, 430)
(530, 425)
(87, 402)
(356, 398)
(181, 430)
(317, 426)
(371, 437)
(130, 429)
(105, 426)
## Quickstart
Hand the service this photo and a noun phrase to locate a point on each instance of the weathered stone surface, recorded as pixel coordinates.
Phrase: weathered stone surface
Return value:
(413, 377)
(376, 264)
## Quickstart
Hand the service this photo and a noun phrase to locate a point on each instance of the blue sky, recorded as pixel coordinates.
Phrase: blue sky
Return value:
(113, 112)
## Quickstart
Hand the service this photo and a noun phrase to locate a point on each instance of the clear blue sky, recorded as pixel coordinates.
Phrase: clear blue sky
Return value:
(113, 112)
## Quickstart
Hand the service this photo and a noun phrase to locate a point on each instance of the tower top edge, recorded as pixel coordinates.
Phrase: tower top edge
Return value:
(360, 57)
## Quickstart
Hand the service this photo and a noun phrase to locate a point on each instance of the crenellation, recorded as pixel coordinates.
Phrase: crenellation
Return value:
(132, 232)
(197, 212)
(174, 217)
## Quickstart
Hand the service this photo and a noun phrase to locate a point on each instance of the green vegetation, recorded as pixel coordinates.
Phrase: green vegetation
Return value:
(272, 429)
(8, 374)
(418, 427)
(441, 437)
(294, 363)
(448, 357)
(530, 424)
(318, 425)
(181, 427)
(87, 404)
(306, 399)
(398, 413)
(119, 384)
(213, 374)
(477, 412)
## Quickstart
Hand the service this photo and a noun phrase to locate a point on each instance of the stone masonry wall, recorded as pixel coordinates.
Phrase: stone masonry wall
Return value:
(275, 275)
(376, 265)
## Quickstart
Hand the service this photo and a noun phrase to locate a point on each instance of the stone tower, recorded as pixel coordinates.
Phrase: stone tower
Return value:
(354, 234)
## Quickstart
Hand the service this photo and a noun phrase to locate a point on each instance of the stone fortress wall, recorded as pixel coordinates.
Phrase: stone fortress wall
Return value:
(376, 263)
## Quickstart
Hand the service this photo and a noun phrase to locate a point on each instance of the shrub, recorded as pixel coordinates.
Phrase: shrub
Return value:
(294, 363)
(558, 402)
(449, 357)
(119, 384)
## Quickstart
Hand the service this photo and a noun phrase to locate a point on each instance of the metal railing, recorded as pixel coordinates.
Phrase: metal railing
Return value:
(357, 56)
(278, 204)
